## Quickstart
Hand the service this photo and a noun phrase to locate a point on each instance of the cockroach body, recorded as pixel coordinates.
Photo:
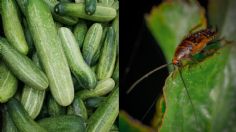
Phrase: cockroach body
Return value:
(193, 44)
(190, 46)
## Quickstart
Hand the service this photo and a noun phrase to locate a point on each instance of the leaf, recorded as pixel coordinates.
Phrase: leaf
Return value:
(222, 15)
(171, 21)
(211, 83)
(127, 124)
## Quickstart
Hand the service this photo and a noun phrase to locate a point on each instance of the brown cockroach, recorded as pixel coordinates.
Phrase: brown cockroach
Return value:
(190, 46)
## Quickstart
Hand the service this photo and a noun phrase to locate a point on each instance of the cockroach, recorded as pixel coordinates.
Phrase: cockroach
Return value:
(190, 46)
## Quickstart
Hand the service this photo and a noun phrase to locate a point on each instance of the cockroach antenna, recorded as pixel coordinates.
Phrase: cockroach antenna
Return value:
(190, 99)
(145, 76)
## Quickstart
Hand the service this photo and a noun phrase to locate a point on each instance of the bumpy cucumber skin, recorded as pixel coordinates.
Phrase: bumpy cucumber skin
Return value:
(7, 123)
(63, 123)
(104, 117)
(32, 100)
(78, 108)
(115, 74)
(92, 43)
(95, 101)
(78, 66)
(22, 67)
(90, 6)
(50, 52)
(8, 83)
(102, 13)
(54, 109)
(62, 19)
(80, 31)
(12, 26)
(103, 87)
(21, 118)
(107, 59)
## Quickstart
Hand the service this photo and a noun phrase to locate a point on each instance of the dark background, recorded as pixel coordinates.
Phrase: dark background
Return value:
(139, 54)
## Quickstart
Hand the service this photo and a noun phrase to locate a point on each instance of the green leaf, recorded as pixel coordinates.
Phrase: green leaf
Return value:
(211, 83)
(171, 21)
(222, 15)
(128, 124)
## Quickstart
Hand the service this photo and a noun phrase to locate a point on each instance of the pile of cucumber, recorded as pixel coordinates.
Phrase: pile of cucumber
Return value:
(59, 65)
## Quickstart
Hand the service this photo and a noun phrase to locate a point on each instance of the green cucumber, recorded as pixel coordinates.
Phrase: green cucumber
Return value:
(80, 31)
(28, 38)
(12, 26)
(78, 108)
(8, 83)
(106, 2)
(62, 19)
(115, 74)
(104, 117)
(21, 4)
(63, 123)
(115, 25)
(79, 1)
(7, 123)
(21, 118)
(22, 67)
(115, 5)
(92, 43)
(114, 128)
(78, 66)
(103, 87)
(44, 112)
(54, 109)
(90, 6)
(98, 52)
(50, 52)
(102, 13)
(31, 98)
(95, 101)
(107, 59)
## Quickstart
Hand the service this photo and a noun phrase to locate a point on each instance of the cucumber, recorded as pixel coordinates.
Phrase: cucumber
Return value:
(106, 2)
(104, 117)
(103, 87)
(21, 118)
(115, 25)
(78, 108)
(54, 109)
(44, 111)
(21, 4)
(78, 66)
(62, 19)
(63, 123)
(8, 83)
(32, 99)
(7, 123)
(115, 5)
(79, 1)
(80, 31)
(107, 59)
(22, 67)
(95, 102)
(50, 52)
(92, 43)
(90, 6)
(102, 13)
(115, 74)
(12, 26)
(98, 52)
(28, 38)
